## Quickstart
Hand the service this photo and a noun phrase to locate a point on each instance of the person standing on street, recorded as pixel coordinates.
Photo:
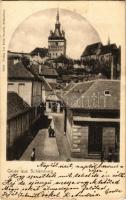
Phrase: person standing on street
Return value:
(33, 155)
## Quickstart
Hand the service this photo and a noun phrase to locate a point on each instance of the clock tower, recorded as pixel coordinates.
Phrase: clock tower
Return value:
(57, 40)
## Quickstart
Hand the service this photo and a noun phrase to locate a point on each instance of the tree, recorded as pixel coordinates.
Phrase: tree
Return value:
(25, 61)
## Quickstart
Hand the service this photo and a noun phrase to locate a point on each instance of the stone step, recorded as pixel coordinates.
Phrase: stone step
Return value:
(94, 155)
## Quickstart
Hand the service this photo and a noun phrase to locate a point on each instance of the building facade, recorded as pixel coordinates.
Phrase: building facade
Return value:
(27, 85)
(92, 119)
(20, 118)
(53, 104)
(57, 41)
(103, 58)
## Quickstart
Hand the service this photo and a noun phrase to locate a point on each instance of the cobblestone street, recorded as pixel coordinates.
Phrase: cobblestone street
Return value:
(47, 148)
(51, 148)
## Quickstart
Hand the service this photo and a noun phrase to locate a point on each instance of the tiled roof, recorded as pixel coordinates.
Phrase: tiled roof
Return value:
(15, 105)
(12, 57)
(53, 97)
(98, 48)
(18, 71)
(41, 51)
(108, 48)
(34, 68)
(71, 96)
(102, 94)
(92, 49)
(20, 54)
(94, 95)
(69, 86)
(48, 72)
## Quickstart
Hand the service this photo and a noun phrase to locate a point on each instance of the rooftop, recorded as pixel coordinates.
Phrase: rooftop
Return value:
(18, 71)
(92, 49)
(15, 105)
(98, 48)
(108, 48)
(98, 94)
(72, 95)
(45, 71)
(17, 55)
(34, 68)
(42, 52)
(57, 34)
(69, 86)
(53, 97)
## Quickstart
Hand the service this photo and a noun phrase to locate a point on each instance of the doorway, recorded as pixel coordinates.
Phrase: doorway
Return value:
(95, 139)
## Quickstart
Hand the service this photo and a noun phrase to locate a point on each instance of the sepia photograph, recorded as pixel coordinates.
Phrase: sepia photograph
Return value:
(62, 100)
(63, 90)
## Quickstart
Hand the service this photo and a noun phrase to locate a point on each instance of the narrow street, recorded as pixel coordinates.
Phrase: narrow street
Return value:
(49, 148)
(61, 139)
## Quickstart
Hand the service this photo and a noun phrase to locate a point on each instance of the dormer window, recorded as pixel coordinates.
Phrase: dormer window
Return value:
(107, 93)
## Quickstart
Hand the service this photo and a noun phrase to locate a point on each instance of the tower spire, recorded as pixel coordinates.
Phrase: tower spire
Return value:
(108, 40)
(57, 17)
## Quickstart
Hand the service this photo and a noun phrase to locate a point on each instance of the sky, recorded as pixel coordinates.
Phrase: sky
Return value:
(28, 24)
(34, 31)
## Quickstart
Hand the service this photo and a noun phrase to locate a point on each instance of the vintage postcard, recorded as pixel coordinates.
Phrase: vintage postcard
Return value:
(62, 100)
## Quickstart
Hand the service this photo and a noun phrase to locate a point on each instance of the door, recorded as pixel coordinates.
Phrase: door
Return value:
(95, 139)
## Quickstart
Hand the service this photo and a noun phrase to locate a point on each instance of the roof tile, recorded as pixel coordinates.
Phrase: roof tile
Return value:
(18, 71)
(99, 94)
(15, 105)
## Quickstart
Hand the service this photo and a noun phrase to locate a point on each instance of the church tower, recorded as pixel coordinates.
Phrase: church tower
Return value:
(57, 40)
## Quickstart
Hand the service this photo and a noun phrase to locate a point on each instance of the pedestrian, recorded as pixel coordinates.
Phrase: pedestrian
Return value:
(33, 155)
(110, 155)
(50, 131)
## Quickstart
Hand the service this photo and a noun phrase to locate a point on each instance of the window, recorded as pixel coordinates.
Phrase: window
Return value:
(50, 105)
(10, 83)
(21, 83)
(107, 93)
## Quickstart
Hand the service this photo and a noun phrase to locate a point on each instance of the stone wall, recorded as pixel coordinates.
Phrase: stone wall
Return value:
(80, 141)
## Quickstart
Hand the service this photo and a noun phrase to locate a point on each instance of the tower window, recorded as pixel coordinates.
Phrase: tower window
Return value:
(107, 93)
